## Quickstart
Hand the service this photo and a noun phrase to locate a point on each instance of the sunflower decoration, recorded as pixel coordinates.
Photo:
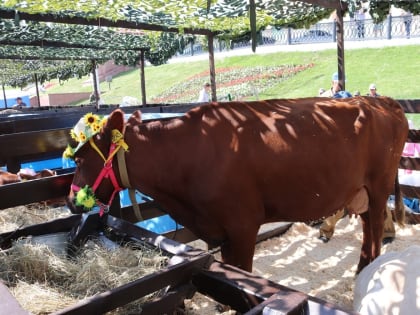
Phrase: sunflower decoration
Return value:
(88, 126)
(85, 197)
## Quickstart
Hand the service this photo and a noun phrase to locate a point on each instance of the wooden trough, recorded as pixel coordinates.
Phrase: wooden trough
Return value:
(190, 270)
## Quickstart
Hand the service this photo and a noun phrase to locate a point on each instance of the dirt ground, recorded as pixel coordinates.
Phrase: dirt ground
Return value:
(299, 260)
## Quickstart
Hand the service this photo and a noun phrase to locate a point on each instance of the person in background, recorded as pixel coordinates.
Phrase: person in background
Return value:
(407, 23)
(204, 96)
(19, 103)
(360, 22)
(336, 90)
(372, 91)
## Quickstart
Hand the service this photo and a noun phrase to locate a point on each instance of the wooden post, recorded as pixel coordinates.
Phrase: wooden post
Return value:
(340, 47)
(95, 84)
(142, 79)
(212, 68)
(37, 90)
(4, 96)
(253, 24)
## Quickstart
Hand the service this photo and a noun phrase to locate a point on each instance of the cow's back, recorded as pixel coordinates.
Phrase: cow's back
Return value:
(309, 154)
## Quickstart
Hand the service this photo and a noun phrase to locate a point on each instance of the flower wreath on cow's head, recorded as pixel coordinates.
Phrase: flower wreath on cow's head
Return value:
(88, 126)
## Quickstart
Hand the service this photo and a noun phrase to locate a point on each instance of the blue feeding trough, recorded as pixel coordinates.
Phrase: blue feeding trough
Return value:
(162, 224)
(125, 198)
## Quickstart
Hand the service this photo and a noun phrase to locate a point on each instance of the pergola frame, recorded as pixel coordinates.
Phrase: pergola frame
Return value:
(340, 7)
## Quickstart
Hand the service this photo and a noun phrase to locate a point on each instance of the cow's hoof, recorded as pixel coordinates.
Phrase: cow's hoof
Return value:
(387, 240)
(324, 239)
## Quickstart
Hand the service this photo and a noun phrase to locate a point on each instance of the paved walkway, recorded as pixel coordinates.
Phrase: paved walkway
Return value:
(265, 49)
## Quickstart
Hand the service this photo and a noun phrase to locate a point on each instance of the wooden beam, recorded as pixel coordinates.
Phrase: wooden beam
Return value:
(22, 57)
(8, 14)
(59, 44)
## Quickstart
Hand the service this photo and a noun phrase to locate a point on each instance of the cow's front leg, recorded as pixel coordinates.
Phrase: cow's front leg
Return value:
(238, 250)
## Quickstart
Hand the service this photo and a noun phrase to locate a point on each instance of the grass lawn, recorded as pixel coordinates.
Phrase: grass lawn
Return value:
(394, 70)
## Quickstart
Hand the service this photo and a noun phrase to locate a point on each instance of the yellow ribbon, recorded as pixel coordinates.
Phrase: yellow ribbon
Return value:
(118, 138)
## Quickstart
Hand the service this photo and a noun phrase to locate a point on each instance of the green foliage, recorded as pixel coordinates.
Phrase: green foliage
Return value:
(164, 47)
(218, 16)
(21, 73)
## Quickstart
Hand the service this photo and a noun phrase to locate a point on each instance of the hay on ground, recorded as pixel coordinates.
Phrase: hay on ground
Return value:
(36, 272)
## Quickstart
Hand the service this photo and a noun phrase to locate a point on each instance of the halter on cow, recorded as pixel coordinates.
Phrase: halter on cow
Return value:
(86, 128)
(224, 169)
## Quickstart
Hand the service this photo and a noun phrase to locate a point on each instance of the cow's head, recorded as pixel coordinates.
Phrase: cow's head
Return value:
(95, 183)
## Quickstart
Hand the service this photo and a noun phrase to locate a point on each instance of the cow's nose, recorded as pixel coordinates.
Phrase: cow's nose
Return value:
(70, 201)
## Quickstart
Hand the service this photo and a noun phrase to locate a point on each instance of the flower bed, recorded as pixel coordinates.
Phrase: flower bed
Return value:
(238, 82)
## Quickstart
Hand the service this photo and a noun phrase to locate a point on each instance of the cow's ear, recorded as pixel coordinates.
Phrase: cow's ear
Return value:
(135, 118)
(116, 121)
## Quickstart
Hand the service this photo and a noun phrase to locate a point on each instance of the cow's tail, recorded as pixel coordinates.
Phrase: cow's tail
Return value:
(399, 204)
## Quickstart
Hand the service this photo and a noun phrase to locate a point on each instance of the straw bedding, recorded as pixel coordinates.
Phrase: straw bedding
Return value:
(43, 280)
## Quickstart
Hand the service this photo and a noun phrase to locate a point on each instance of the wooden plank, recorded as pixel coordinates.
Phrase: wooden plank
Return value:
(182, 235)
(174, 275)
(410, 191)
(144, 235)
(410, 106)
(53, 226)
(12, 195)
(38, 122)
(413, 136)
(295, 303)
(243, 291)
(170, 302)
(272, 229)
(34, 144)
(410, 163)
(232, 286)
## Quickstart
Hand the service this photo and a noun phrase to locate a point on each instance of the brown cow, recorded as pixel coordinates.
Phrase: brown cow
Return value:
(28, 174)
(10, 178)
(224, 169)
